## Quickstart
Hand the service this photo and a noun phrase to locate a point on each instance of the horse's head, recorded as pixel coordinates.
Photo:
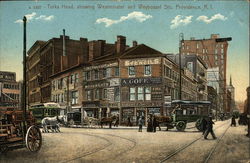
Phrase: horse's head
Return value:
(61, 119)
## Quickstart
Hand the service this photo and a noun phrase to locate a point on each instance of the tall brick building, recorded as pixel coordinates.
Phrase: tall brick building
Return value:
(50, 58)
(213, 51)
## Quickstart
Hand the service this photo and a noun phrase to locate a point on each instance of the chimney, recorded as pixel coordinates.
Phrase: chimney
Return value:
(214, 36)
(134, 43)
(100, 47)
(64, 50)
(85, 50)
(91, 50)
(121, 44)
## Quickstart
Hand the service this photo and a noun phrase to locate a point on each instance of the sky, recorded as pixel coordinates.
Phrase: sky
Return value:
(154, 23)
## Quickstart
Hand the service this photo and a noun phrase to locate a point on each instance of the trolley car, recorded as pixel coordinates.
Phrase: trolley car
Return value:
(18, 133)
(43, 110)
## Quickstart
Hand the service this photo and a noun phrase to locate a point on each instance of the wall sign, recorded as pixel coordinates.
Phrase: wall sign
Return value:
(136, 62)
(140, 81)
(101, 66)
(141, 104)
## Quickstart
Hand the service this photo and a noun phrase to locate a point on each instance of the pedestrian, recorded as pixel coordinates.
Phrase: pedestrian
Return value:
(129, 122)
(233, 122)
(203, 125)
(209, 128)
(154, 123)
(149, 121)
(140, 123)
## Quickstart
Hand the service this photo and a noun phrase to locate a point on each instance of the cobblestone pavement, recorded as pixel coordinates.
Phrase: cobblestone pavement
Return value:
(125, 144)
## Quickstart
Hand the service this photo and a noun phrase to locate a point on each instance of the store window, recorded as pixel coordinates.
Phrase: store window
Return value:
(132, 94)
(147, 70)
(140, 93)
(131, 70)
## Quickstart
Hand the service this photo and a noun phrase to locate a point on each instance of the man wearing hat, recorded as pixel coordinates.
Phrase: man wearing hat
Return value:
(209, 128)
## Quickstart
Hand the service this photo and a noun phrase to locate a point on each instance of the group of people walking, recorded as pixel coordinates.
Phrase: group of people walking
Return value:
(151, 123)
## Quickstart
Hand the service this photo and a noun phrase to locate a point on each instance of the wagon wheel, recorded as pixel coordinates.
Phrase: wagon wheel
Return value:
(198, 124)
(33, 139)
(180, 126)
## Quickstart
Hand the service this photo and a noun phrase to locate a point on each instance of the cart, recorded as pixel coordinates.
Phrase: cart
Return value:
(17, 131)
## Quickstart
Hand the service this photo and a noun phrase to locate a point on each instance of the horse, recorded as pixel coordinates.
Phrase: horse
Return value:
(52, 123)
(163, 119)
(90, 121)
(109, 120)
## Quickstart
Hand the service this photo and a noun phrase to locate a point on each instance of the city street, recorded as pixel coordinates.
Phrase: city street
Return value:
(124, 144)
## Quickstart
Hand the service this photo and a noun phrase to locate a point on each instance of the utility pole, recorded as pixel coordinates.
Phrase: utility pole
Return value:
(181, 39)
(24, 74)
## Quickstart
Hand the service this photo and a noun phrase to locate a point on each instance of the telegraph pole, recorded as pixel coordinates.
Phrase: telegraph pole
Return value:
(181, 39)
(24, 74)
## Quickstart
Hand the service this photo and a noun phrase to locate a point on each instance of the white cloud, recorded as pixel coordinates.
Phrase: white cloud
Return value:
(32, 16)
(180, 20)
(44, 17)
(215, 17)
(138, 16)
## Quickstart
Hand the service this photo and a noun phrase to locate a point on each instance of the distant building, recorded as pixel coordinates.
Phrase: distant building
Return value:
(10, 91)
(231, 89)
(213, 51)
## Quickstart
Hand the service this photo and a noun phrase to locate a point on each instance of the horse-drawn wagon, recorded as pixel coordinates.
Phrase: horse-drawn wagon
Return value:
(18, 132)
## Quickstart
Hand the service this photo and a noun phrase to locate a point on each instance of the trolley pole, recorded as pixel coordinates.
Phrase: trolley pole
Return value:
(24, 74)
(181, 39)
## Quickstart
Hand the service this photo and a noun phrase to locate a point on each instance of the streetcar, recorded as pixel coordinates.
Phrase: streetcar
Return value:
(188, 111)
(43, 110)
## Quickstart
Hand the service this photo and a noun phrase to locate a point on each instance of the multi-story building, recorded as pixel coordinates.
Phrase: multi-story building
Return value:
(50, 58)
(132, 81)
(34, 74)
(213, 51)
(10, 91)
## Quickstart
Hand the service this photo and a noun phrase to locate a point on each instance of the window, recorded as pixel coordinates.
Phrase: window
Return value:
(105, 94)
(96, 74)
(62, 97)
(147, 70)
(74, 96)
(76, 77)
(132, 94)
(117, 94)
(88, 93)
(108, 72)
(140, 93)
(190, 66)
(197, 45)
(222, 56)
(203, 51)
(117, 72)
(97, 94)
(131, 70)
(187, 47)
(87, 75)
(222, 51)
(147, 93)
(104, 72)
(72, 79)
(216, 63)
(216, 57)
(216, 51)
